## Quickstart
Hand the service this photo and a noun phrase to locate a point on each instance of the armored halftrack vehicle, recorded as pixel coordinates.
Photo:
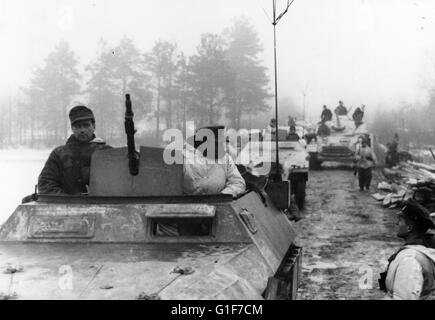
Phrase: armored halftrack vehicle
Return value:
(293, 159)
(114, 243)
(338, 142)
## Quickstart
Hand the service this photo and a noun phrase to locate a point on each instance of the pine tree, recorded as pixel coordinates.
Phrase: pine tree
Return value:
(250, 84)
(104, 94)
(52, 89)
(161, 63)
(211, 79)
(114, 73)
(182, 92)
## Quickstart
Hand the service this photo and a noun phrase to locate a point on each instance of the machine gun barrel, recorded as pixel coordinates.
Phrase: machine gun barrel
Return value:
(133, 158)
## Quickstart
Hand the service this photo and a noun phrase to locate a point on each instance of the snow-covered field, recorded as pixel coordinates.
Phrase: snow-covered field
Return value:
(19, 170)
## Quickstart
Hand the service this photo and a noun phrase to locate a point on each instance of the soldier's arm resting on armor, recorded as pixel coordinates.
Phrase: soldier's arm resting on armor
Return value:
(49, 181)
(408, 280)
(235, 184)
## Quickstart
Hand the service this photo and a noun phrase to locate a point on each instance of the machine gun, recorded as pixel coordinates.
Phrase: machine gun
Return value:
(125, 172)
(133, 157)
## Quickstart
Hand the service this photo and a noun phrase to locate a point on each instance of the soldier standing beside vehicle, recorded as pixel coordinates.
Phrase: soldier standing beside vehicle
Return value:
(392, 158)
(68, 167)
(366, 160)
(410, 274)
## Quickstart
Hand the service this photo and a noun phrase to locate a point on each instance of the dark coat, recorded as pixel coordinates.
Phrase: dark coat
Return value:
(323, 130)
(358, 115)
(310, 137)
(293, 136)
(67, 168)
(341, 110)
(326, 115)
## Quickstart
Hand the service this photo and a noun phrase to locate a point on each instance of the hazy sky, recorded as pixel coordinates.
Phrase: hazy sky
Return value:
(360, 51)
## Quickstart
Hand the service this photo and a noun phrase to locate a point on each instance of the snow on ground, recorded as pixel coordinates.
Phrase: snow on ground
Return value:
(346, 237)
(19, 170)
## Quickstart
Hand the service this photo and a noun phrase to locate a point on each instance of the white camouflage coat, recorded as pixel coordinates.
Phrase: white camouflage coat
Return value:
(208, 176)
(411, 275)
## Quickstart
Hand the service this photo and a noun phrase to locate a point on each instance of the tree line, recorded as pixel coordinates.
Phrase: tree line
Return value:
(224, 80)
(414, 123)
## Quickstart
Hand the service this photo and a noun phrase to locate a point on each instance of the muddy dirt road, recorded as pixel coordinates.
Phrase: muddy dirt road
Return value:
(346, 236)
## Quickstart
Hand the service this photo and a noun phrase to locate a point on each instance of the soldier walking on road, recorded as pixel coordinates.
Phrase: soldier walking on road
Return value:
(366, 160)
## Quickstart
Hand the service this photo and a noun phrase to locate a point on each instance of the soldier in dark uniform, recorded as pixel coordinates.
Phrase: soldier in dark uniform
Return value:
(323, 130)
(326, 114)
(358, 116)
(293, 136)
(392, 158)
(67, 168)
(341, 110)
(310, 135)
